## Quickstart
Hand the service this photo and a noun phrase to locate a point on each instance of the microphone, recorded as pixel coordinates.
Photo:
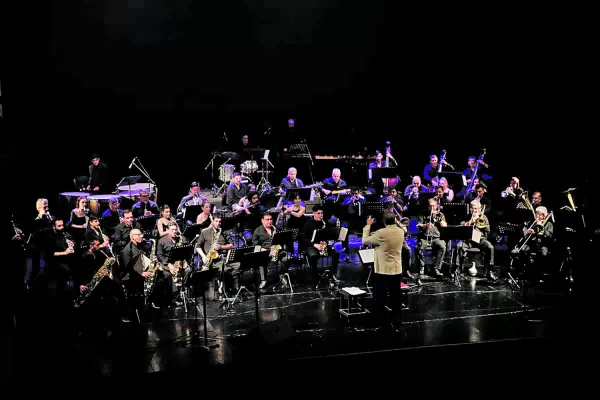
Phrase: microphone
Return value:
(132, 161)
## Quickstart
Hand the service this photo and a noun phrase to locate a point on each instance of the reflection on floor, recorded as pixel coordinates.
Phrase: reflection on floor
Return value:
(301, 327)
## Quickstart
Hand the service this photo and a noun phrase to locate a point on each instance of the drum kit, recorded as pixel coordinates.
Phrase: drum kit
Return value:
(248, 169)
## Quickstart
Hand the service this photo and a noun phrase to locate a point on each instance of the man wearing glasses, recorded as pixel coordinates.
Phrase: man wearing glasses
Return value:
(314, 249)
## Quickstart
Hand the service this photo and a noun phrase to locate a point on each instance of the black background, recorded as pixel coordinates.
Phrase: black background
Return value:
(163, 81)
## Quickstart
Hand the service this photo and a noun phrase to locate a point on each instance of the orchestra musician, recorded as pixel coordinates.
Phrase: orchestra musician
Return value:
(377, 187)
(99, 175)
(61, 250)
(236, 191)
(94, 234)
(145, 207)
(165, 256)
(314, 249)
(448, 194)
(131, 273)
(123, 231)
(79, 219)
(112, 216)
(430, 172)
(290, 181)
(480, 194)
(332, 188)
(387, 269)
(252, 214)
(204, 219)
(166, 219)
(479, 221)
(354, 206)
(429, 235)
(482, 176)
(539, 234)
(413, 195)
(193, 198)
(263, 237)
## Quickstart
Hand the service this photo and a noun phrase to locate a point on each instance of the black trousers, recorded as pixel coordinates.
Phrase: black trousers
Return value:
(313, 259)
(384, 285)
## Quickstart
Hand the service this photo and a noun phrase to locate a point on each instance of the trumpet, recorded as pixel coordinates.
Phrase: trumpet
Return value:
(508, 192)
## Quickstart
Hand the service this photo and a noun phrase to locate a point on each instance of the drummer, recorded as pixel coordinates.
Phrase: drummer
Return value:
(99, 176)
(290, 181)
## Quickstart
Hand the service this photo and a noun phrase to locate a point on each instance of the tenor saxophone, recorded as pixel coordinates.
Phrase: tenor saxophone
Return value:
(212, 254)
(323, 252)
(150, 282)
(178, 263)
(275, 252)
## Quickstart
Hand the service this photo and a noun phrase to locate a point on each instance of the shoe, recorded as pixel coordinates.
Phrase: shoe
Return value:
(491, 276)
(262, 284)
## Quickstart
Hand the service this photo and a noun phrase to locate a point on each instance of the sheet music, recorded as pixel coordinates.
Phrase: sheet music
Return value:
(343, 234)
(464, 178)
(313, 236)
(146, 261)
(367, 255)
(353, 291)
(257, 248)
(476, 237)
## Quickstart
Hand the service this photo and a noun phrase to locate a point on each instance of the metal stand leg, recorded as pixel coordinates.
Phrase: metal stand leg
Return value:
(369, 277)
(283, 282)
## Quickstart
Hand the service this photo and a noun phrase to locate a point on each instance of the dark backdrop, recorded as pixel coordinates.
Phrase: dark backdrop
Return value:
(162, 81)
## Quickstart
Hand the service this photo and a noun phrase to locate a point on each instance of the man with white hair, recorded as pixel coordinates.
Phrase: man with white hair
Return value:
(290, 181)
(538, 234)
(479, 221)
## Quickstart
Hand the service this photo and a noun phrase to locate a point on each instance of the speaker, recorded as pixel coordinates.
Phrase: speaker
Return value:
(274, 332)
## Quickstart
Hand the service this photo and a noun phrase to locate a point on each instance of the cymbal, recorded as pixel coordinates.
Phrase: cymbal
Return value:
(230, 154)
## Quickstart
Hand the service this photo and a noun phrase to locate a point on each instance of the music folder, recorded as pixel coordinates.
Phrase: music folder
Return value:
(367, 256)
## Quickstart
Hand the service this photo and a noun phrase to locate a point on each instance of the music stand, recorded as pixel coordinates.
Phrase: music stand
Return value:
(190, 213)
(456, 232)
(326, 235)
(235, 256)
(252, 261)
(129, 180)
(306, 194)
(198, 282)
(367, 257)
(191, 231)
(184, 253)
(383, 173)
(283, 238)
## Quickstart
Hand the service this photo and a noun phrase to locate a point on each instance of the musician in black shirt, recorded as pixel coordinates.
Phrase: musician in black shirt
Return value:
(479, 221)
(236, 190)
(312, 248)
(111, 217)
(332, 188)
(131, 271)
(536, 239)
(145, 207)
(99, 175)
(123, 231)
(290, 181)
(263, 237)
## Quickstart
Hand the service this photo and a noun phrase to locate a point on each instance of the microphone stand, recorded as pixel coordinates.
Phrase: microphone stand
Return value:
(147, 176)
(211, 164)
(312, 162)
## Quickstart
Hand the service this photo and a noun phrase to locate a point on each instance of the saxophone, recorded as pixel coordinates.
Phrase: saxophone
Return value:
(151, 281)
(96, 279)
(212, 254)
(323, 252)
(275, 252)
(178, 263)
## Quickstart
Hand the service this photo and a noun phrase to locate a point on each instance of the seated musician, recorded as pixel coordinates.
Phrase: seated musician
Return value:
(193, 198)
(171, 274)
(236, 191)
(263, 236)
(112, 217)
(480, 194)
(412, 195)
(144, 207)
(94, 234)
(536, 200)
(332, 188)
(479, 222)
(251, 214)
(314, 249)
(79, 218)
(536, 238)
(99, 175)
(123, 231)
(166, 219)
(429, 235)
(448, 194)
(204, 219)
(393, 200)
(290, 181)
(131, 271)
(212, 239)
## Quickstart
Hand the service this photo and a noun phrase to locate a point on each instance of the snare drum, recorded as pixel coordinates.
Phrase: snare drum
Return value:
(99, 203)
(226, 172)
(249, 167)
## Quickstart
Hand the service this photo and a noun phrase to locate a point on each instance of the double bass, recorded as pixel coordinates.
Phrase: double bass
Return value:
(389, 182)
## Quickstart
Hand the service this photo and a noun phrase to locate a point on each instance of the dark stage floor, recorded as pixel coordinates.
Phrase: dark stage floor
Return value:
(300, 328)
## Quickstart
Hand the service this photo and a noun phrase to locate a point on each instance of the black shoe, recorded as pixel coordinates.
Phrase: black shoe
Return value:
(491, 276)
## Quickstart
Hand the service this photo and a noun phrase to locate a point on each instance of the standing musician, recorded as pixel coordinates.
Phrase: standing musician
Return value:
(413, 197)
(263, 236)
(479, 222)
(430, 172)
(468, 172)
(332, 188)
(355, 208)
(204, 219)
(170, 272)
(61, 250)
(145, 207)
(290, 181)
(315, 249)
(79, 218)
(99, 175)
(388, 264)
(377, 187)
(538, 236)
(193, 198)
(123, 231)
(212, 246)
(429, 235)
(131, 273)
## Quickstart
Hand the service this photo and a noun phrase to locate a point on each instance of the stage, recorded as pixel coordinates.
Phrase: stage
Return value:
(305, 329)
